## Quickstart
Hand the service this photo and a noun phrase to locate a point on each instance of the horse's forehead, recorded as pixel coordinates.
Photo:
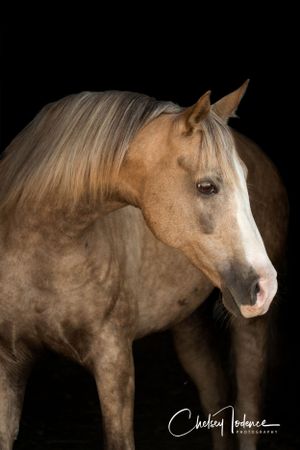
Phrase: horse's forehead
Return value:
(195, 152)
(195, 155)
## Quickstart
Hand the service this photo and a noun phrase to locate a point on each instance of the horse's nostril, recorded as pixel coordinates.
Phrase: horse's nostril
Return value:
(255, 289)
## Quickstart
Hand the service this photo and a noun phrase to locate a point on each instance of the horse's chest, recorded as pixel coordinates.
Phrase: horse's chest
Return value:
(169, 298)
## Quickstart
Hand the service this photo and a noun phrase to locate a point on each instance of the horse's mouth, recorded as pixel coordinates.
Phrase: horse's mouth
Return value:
(230, 303)
(246, 311)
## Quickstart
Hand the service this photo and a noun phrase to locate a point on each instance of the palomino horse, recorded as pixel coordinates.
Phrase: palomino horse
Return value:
(85, 275)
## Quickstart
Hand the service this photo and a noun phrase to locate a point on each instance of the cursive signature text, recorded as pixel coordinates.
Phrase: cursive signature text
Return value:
(213, 421)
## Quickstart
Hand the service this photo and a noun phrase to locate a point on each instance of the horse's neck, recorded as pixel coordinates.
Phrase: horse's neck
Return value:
(60, 230)
(72, 221)
(126, 230)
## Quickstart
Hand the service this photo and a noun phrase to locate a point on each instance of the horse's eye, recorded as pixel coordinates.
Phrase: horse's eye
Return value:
(206, 188)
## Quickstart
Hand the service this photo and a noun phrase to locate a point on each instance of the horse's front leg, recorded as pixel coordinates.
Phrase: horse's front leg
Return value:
(198, 353)
(249, 345)
(14, 370)
(114, 373)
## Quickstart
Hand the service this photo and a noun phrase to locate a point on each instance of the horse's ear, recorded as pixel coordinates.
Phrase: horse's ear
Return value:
(227, 106)
(194, 114)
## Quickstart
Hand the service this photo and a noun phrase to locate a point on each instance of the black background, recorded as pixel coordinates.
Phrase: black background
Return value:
(171, 60)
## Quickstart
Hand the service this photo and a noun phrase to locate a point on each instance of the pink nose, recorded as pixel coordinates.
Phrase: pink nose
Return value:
(262, 294)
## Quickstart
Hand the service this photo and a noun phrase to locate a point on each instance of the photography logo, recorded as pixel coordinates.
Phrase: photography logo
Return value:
(214, 420)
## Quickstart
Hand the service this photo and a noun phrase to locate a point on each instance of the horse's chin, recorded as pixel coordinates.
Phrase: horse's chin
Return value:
(229, 303)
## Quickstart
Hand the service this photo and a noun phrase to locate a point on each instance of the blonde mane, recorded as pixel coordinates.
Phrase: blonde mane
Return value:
(74, 147)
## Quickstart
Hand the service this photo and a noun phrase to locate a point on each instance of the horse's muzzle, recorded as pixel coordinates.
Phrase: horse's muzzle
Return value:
(247, 293)
(265, 292)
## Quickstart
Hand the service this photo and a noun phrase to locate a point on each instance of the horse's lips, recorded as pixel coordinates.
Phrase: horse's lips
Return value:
(246, 310)
(230, 303)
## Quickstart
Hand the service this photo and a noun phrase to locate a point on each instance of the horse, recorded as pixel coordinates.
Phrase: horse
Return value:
(119, 215)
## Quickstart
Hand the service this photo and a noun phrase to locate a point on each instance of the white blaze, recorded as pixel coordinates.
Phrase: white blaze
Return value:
(254, 250)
